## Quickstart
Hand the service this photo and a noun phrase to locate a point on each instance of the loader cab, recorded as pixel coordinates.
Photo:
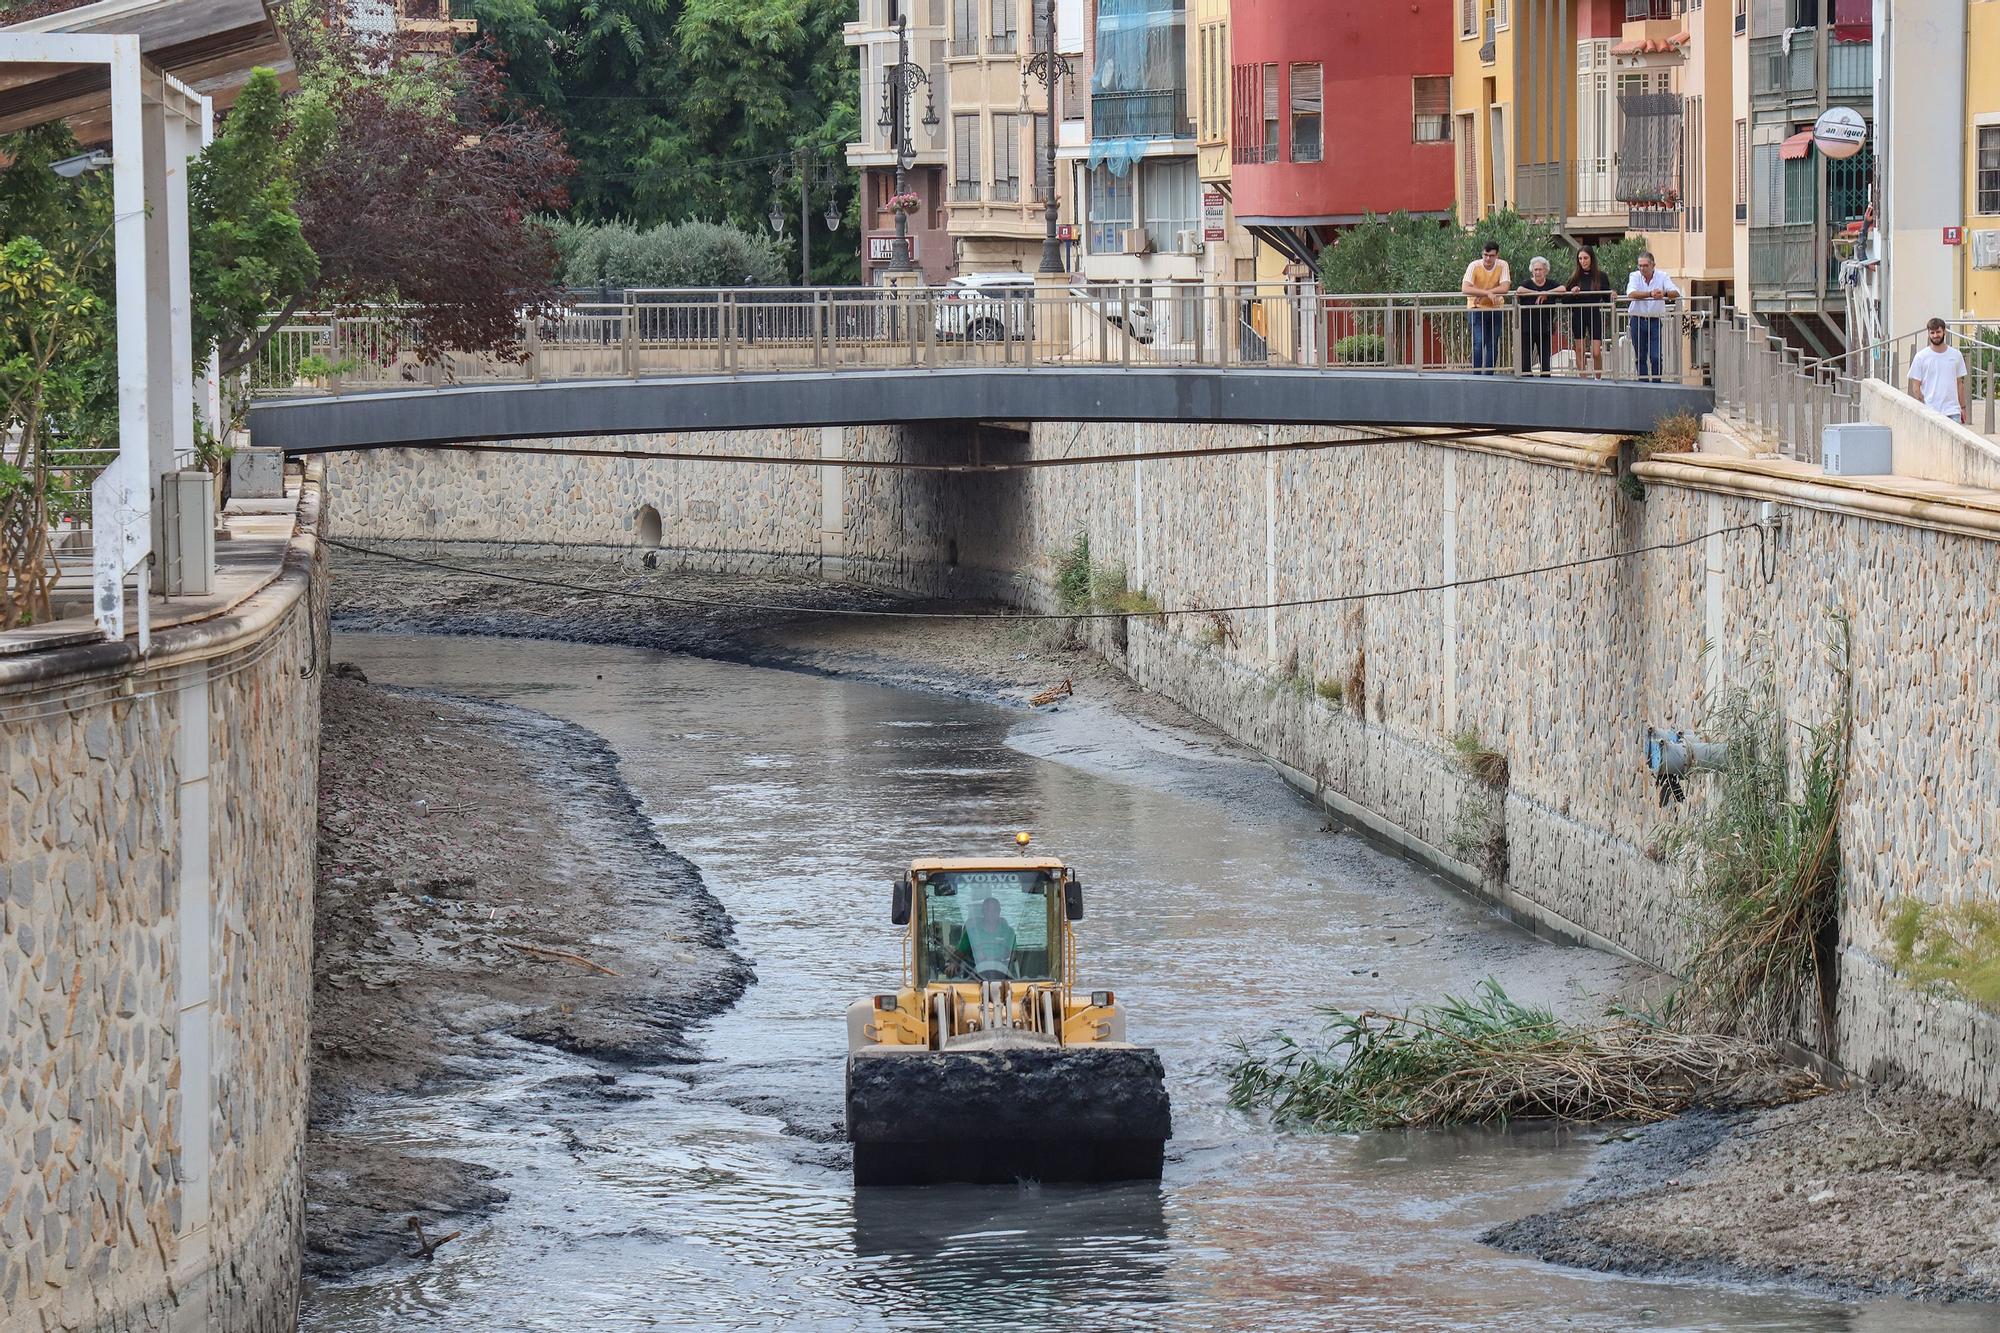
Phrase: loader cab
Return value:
(971, 923)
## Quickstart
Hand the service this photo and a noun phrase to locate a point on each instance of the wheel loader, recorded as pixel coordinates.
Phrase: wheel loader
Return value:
(989, 1064)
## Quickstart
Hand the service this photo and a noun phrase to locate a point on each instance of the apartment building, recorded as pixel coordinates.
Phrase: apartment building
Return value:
(1800, 213)
(875, 39)
(998, 132)
(417, 25)
(1672, 173)
(1337, 115)
(1140, 168)
(1978, 260)
(1515, 102)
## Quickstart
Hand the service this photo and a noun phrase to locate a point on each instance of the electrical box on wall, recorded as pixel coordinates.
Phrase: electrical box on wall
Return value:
(187, 525)
(1857, 449)
(1986, 249)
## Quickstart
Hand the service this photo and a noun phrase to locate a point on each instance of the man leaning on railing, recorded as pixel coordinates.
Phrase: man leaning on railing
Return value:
(1650, 291)
(1486, 283)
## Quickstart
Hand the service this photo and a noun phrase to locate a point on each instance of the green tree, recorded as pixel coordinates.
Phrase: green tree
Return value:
(1402, 253)
(247, 253)
(678, 110)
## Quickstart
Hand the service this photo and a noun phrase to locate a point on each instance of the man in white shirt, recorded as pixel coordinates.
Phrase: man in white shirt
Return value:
(1650, 291)
(1937, 374)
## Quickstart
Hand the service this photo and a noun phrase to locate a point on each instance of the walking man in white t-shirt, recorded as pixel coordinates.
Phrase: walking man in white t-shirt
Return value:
(1650, 291)
(1937, 374)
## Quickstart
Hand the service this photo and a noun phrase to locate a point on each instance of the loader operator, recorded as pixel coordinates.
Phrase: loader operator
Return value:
(988, 941)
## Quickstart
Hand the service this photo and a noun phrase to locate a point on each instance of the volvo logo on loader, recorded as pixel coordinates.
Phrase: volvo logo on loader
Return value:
(988, 1065)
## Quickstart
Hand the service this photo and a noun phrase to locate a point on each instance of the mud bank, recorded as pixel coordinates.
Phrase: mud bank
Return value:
(1864, 1192)
(484, 879)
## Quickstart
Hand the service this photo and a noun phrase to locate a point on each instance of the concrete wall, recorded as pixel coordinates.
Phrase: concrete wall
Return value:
(1560, 672)
(1929, 445)
(156, 876)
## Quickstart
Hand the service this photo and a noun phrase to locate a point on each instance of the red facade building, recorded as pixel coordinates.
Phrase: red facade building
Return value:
(1338, 111)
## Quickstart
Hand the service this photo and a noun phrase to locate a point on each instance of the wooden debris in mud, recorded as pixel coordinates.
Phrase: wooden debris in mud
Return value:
(559, 955)
(426, 1247)
(1052, 693)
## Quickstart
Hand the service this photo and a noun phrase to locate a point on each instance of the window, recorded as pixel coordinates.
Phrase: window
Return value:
(1110, 209)
(1693, 168)
(1468, 17)
(1247, 83)
(935, 14)
(1742, 169)
(1308, 122)
(965, 27)
(1006, 155)
(1986, 170)
(1269, 138)
(1171, 196)
(990, 923)
(1432, 98)
(1002, 42)
(1499, 13)
(965, 157)
(1213, 96)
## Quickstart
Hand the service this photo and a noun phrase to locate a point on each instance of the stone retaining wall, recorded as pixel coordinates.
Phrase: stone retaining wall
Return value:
(1559, 673)
(155, 971)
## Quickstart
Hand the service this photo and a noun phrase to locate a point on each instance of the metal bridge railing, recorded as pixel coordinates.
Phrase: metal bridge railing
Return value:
(750, 330)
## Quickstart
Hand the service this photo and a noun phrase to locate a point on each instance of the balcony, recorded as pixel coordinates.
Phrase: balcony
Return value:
(1488, 45)
(1637, 11)
(1850, 70)
(1159, 113)
(1542, 189)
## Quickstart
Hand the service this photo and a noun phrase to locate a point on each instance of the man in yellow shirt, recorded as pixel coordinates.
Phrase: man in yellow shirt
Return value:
(1486, 284)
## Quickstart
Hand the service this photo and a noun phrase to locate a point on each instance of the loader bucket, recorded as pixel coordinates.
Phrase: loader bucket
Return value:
(1059, 1113)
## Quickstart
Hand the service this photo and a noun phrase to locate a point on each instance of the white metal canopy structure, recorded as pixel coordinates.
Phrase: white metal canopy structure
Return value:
(114, 70)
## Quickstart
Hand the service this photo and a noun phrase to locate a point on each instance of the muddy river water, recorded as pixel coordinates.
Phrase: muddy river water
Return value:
(1220, 905)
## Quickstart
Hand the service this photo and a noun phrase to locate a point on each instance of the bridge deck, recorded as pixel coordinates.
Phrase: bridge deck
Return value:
(1301, 397)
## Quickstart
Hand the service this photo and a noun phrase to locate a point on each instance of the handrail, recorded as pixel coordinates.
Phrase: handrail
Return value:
(839, 330)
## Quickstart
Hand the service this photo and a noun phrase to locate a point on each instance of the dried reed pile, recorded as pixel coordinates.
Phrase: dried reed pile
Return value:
(1486, 1059)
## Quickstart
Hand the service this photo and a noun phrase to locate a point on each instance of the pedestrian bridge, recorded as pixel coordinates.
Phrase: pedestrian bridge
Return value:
(747, 359)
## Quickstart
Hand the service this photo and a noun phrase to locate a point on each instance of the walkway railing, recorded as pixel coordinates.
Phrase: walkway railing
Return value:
(750, 330)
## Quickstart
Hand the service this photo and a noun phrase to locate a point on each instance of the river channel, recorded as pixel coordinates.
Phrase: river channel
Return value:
(1220, 904)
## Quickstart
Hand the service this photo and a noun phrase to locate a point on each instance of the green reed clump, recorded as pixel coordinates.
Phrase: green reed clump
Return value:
(1763, 861)
(1954, 948)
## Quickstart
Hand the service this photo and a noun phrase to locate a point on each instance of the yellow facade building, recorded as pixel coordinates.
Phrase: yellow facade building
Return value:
(1979, 258)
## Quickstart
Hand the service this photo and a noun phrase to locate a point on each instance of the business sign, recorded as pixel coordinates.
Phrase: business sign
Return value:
(1214, 216)
(1065, 231)
(883, 248)
(1954, 236)
(1840, 132)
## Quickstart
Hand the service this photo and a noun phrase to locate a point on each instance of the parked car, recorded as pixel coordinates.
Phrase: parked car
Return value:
(1123, 307)
(986, 307)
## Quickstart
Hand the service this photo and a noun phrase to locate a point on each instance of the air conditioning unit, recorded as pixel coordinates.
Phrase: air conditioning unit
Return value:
(1187, 241)
(1135, 241)
(1986, 249)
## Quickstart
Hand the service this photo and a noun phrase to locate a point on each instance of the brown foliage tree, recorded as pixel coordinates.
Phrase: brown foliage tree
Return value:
(419, 176)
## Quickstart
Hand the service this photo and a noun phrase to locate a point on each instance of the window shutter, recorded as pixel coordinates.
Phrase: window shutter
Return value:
(1308, 101)
(1269, 136)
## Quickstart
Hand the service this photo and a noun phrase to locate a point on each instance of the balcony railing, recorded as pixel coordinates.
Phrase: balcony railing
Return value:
(1159, 113)
(1784, 259)
(1850, 70)
(1636, 10)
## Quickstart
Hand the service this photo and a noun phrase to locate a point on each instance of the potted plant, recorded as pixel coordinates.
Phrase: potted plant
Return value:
(905, 203)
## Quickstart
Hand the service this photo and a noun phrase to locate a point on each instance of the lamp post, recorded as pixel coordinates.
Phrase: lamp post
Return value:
(1050, 68)
(900, 81)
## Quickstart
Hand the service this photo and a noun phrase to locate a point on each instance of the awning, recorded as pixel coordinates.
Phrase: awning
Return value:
(1796, 147)
(211, 45)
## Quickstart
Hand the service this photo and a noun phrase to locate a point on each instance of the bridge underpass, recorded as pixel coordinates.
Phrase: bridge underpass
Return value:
(421, 416)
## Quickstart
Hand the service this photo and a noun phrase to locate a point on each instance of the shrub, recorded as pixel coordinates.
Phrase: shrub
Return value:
(1479, 759)
(1073, 580)
(1361, 349)
(1331, 691)
(1955, 949)
(686, 254)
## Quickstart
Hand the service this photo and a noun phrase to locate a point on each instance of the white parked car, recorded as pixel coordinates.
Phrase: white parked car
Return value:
(986, 307)
(1123, 307)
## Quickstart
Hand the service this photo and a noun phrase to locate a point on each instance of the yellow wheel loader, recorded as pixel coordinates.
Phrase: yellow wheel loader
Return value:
(988, 1065)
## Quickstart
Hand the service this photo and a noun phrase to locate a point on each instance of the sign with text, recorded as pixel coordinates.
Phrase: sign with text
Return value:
(1214, 216)
(882, 249)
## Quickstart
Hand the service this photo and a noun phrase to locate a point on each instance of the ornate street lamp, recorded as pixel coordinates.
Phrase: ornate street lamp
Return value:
(900, 82)
(1049, 68)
